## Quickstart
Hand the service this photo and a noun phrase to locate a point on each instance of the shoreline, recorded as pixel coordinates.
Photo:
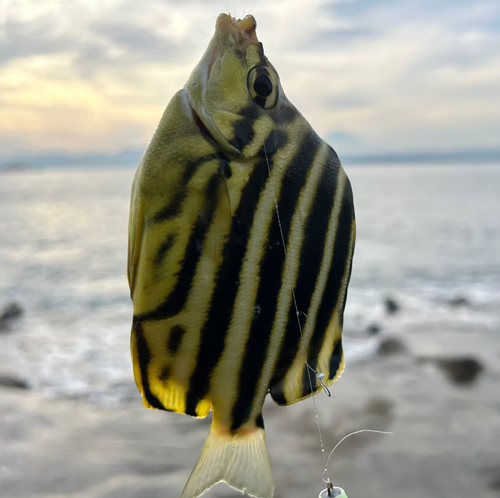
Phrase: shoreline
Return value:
(444, 443)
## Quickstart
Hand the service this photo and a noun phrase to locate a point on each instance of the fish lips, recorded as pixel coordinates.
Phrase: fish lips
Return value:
(242, 31)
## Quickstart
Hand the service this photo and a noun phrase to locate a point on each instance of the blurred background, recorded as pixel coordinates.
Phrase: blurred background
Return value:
(408, 94)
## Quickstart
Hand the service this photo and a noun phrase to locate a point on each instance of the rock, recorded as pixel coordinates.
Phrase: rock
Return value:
(373, 328)
(494, 483)
(391, 345)
(462, 371)
(458, 301)
(391, 306)
(14, 382)
(379, 406)
(10, 313)
(492, 474)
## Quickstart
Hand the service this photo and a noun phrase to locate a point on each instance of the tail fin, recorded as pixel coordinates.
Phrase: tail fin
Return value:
(240, 460)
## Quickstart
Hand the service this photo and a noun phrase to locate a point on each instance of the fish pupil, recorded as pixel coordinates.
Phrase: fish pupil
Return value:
(263, 86)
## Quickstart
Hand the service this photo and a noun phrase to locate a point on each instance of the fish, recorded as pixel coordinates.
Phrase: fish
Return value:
(241, 238)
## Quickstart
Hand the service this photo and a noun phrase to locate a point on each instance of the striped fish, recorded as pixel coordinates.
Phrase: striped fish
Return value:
(240, 245)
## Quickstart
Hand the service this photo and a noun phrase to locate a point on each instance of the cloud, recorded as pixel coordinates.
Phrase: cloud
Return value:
(135, 39)
(126, 46)
(25, 39)
(389, 75)
(346, 100)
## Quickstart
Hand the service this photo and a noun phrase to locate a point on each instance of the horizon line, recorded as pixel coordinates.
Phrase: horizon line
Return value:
(129, 157)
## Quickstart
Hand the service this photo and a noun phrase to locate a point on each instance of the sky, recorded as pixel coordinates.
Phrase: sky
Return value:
(371, 76)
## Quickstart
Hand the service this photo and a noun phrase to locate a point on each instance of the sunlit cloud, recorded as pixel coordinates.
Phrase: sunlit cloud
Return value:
(371, 76)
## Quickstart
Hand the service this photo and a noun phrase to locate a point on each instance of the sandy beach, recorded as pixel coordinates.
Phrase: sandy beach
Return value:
(445, 442)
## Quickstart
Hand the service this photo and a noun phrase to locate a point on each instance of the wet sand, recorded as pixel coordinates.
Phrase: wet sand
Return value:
(446, 441)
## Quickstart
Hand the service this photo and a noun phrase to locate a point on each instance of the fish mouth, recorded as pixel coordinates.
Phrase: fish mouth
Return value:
(242, 31)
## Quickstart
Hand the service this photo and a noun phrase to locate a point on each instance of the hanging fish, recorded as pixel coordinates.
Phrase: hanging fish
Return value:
(240, 245)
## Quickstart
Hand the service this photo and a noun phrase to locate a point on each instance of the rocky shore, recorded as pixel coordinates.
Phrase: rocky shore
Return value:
(435, 386)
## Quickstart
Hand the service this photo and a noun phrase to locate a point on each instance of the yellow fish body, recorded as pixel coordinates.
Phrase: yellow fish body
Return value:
(241, 228)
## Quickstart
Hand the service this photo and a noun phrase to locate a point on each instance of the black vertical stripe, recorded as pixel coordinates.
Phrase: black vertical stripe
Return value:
(259, 422)
(144, 358)
(284, 113)
(310, 263)
(215, 328)
(341, 258)
(278, 394)
(175, 338)
(224, 165)
(270, 274)
(165, 246)
(260, 52)
(309, 380)
(171, 210)
(243, 133)
(275, 141)
(261, 101)
(335, 359)
(164, 375)
(176, 300)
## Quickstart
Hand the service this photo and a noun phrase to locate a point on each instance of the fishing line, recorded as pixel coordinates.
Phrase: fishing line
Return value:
(297, 312)
(332, 491)
(319, 376)
(325, 471)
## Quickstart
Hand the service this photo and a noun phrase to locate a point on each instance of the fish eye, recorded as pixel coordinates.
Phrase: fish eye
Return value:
(263, 86)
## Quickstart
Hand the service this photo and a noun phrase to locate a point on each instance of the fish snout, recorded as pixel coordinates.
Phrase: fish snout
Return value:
(240, 30)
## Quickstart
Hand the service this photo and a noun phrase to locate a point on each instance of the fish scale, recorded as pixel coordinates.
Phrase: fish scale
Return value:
(241, 217)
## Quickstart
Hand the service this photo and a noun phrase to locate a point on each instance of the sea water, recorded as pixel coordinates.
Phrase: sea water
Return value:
(426, 235)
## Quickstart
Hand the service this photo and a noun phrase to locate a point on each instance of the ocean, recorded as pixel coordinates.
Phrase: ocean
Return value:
(428, 238)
